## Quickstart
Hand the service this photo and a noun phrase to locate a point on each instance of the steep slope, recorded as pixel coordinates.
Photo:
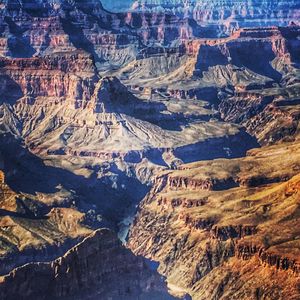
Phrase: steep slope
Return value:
(31, 232)
(92, 130)
(226, 229)
(97, 268)
(81, 148)
(258, 91)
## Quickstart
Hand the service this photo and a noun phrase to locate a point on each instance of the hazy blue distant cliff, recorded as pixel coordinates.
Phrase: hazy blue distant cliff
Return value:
(117, 5)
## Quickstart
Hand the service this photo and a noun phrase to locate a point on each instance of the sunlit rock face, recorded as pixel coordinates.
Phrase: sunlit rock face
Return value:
(99, 110)
(211, 225)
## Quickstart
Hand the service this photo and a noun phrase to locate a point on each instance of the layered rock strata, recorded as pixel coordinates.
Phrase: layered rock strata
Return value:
(218, 219)
(227, 15)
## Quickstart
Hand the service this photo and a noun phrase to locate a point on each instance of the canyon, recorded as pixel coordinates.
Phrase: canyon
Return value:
(231, 223)
(150, 152)
(227, 16)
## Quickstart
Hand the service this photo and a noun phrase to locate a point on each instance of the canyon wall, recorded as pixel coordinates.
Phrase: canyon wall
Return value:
(228, 15)
(99, 110)
(219, 232)
(97, 267)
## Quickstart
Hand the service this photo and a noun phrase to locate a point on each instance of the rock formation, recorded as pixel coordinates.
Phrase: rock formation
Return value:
(227, 15)
(210, 221)
(193, 108)
(97, 268)
(257, 91)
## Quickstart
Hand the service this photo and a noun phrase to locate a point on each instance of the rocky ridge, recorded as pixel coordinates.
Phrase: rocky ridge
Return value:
(260, 94)
(227, 15)
(218, 218)
(91, 269)
(82, 147)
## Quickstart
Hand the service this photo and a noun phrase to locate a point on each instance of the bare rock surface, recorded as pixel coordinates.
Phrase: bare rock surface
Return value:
(192, 106)
(226, 229)
(97, 268)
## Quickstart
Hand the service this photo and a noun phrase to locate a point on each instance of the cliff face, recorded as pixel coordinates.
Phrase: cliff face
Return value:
(98, 267)
(207, 222)
(36, 262)
(31, 232)
(268, 117)
(49, 76)
(33, 28)
(227, 15)
(96, 106)
(274, 43)
(264, 111)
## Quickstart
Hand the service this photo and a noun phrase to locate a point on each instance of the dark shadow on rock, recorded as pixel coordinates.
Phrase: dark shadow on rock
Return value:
(209, 94)
(10, 91)
(18, 43)
(77, 37)
(100, 269)
(224, 147)
(19, 258)
(209, 56)
(291, 34)
(124, 102)
(28, 215)
(27, 173)
(257, 58)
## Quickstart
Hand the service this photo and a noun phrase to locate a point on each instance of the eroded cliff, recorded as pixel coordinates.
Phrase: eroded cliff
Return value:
(229, 15)
(231, 223)
(96, 106)
(97, 268)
